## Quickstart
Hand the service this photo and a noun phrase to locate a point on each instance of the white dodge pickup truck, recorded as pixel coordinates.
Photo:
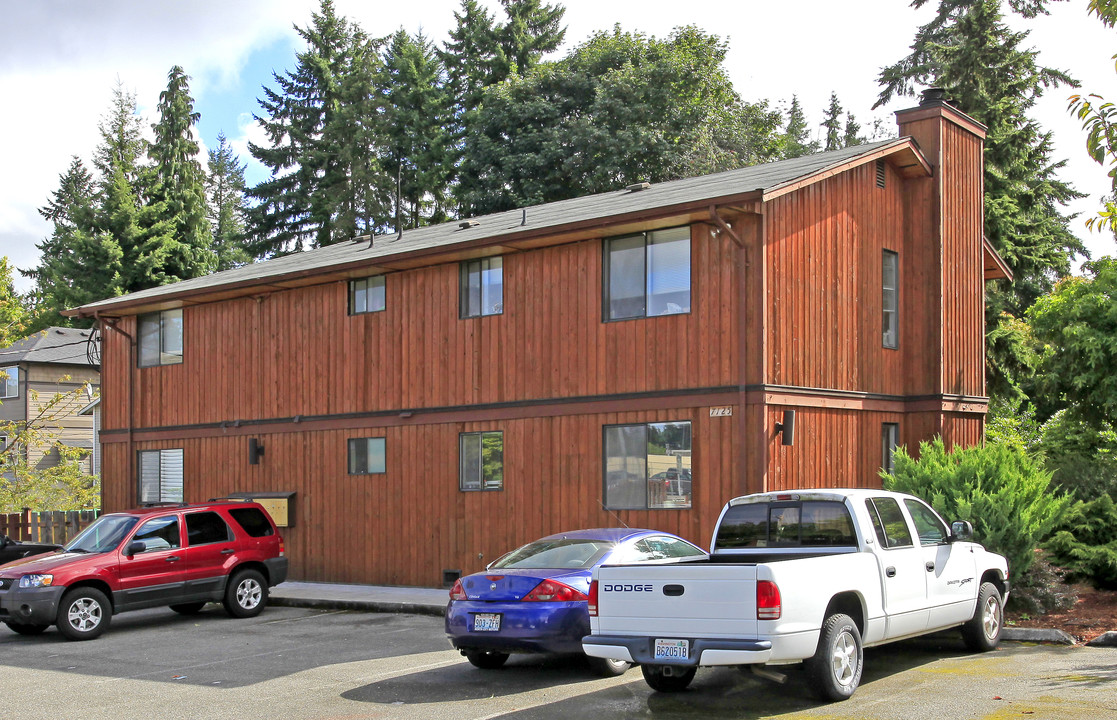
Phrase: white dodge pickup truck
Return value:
(812, 576)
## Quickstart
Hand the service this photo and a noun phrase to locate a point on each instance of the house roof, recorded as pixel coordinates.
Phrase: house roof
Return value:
(481, 234)
(56, 345)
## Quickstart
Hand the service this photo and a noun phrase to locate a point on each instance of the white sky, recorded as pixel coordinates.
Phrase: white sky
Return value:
(60, 59)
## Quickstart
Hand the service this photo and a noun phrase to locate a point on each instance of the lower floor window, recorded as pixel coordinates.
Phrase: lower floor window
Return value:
(366, 456)
(648, 466)
(160, 476)
(481, 461)
(889, 439)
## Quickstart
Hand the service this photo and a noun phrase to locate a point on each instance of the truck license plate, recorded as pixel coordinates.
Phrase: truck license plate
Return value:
(486, 622)
(672, 649)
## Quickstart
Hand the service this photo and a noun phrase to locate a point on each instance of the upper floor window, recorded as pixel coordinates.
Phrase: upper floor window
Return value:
(482, 287)
(366, 295)
(160, 476)
(366, 456)
(161, 338)
(9, 382)
(890, 299)
(648, 466)
(481, 460)
(647, 274)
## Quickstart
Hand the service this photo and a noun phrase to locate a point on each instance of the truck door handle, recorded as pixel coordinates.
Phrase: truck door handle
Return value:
(673, 590)
(227, 551)
(930, 567)
(890, 571)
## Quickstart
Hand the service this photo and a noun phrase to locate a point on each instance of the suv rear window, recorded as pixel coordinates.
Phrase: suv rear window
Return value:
(253, 520)
(820, 523)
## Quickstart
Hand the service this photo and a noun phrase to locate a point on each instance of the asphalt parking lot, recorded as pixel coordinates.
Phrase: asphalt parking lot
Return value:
(301, 663)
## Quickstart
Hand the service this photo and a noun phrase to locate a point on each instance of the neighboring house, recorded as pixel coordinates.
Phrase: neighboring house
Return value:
(35, 370)
(631, 357)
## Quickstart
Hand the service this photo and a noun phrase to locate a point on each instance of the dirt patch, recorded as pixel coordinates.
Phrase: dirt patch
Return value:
(1094, 613)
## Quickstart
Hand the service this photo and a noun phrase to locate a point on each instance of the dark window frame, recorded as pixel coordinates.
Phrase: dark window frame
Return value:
(647, 477)
(12, 379)
(140, 476)
(480, 266)
(349, 455)
(165, 357)
(890, 332)
(368, 287)
(483, 485)
(889, 441)
(606, 275)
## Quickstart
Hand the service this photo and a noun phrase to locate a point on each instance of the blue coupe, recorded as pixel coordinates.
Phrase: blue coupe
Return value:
(533, 599)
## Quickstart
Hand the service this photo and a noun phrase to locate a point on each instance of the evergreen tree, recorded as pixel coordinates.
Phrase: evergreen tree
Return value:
(620, 108)
(969, 51)
(225, 189)
(122, 144)
(321, 122)
(796, 140)
(470, 59)
(532, 30)
(832, 122)
(851, 135)
(418, 148)
(179, 243)
(79, 262)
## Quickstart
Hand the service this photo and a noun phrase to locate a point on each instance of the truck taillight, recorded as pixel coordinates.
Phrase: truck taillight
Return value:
(458, 592)
(592, 600)
(768, 605)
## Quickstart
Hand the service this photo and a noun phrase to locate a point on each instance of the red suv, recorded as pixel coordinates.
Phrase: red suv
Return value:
(182, 556)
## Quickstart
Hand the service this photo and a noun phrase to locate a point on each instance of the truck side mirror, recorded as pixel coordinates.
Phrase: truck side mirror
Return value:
(961, 530)
(135, 548)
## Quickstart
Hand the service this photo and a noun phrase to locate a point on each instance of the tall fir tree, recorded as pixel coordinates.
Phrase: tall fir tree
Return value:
(851, 135)
(321, 124)
(532, 29)
(796, 140)
(418, 147)
(225, 188)
(832, 124)
(179, 243)
(122, 144)
(968, 50)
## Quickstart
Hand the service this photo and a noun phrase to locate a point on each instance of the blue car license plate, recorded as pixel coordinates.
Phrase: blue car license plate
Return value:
(486, 622)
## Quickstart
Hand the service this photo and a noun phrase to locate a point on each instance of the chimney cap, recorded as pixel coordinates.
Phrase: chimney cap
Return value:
(933, 96)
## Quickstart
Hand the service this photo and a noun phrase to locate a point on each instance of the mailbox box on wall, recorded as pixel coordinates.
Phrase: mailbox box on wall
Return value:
(280, 505)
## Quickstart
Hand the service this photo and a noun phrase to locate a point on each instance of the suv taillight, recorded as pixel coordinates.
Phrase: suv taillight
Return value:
(457, 592)
(768, 606)
(553, 591)
(593, 599)
(282, 547)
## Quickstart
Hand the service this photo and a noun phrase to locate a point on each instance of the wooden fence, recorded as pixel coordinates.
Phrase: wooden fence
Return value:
(46, 527)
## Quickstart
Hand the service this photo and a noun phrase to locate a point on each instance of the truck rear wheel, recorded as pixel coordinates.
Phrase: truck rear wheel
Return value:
(982, 632)
(835, 668)
(658, 679)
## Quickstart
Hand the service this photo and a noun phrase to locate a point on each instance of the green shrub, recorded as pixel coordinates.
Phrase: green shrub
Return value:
(1000, 488)
(1086, 542)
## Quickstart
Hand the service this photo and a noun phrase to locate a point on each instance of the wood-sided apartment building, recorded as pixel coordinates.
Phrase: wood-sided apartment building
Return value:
(437, 398)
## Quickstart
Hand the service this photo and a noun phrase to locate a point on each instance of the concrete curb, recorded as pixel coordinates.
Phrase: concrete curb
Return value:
(1108, 639)
(1037, 635)
(359, 605)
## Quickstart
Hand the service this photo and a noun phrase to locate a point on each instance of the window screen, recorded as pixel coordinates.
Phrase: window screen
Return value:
(482, 287)
(160, 338)
(366, 456)
(647, 274)
(160, 476)
(890, 304)
(366, 295)
(481, 461)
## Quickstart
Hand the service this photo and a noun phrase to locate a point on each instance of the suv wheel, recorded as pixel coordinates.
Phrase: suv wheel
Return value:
(246, 594)
(84, 614)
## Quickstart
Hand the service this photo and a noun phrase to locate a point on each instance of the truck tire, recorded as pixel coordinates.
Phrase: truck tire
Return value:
(486, 660)
(835, 669)
(606, 667)
(84, 614)
(657, 678)
(982, 632)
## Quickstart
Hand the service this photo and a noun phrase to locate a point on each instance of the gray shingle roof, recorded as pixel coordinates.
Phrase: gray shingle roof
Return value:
(553, 215)
(57, 345)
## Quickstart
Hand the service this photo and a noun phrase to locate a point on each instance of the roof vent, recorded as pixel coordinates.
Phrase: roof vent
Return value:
(362, 238)
(467, 224)
(933, 96)
(637, 187)
(880, 173)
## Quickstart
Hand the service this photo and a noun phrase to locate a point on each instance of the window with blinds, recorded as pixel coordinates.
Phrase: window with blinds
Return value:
(160, 476)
